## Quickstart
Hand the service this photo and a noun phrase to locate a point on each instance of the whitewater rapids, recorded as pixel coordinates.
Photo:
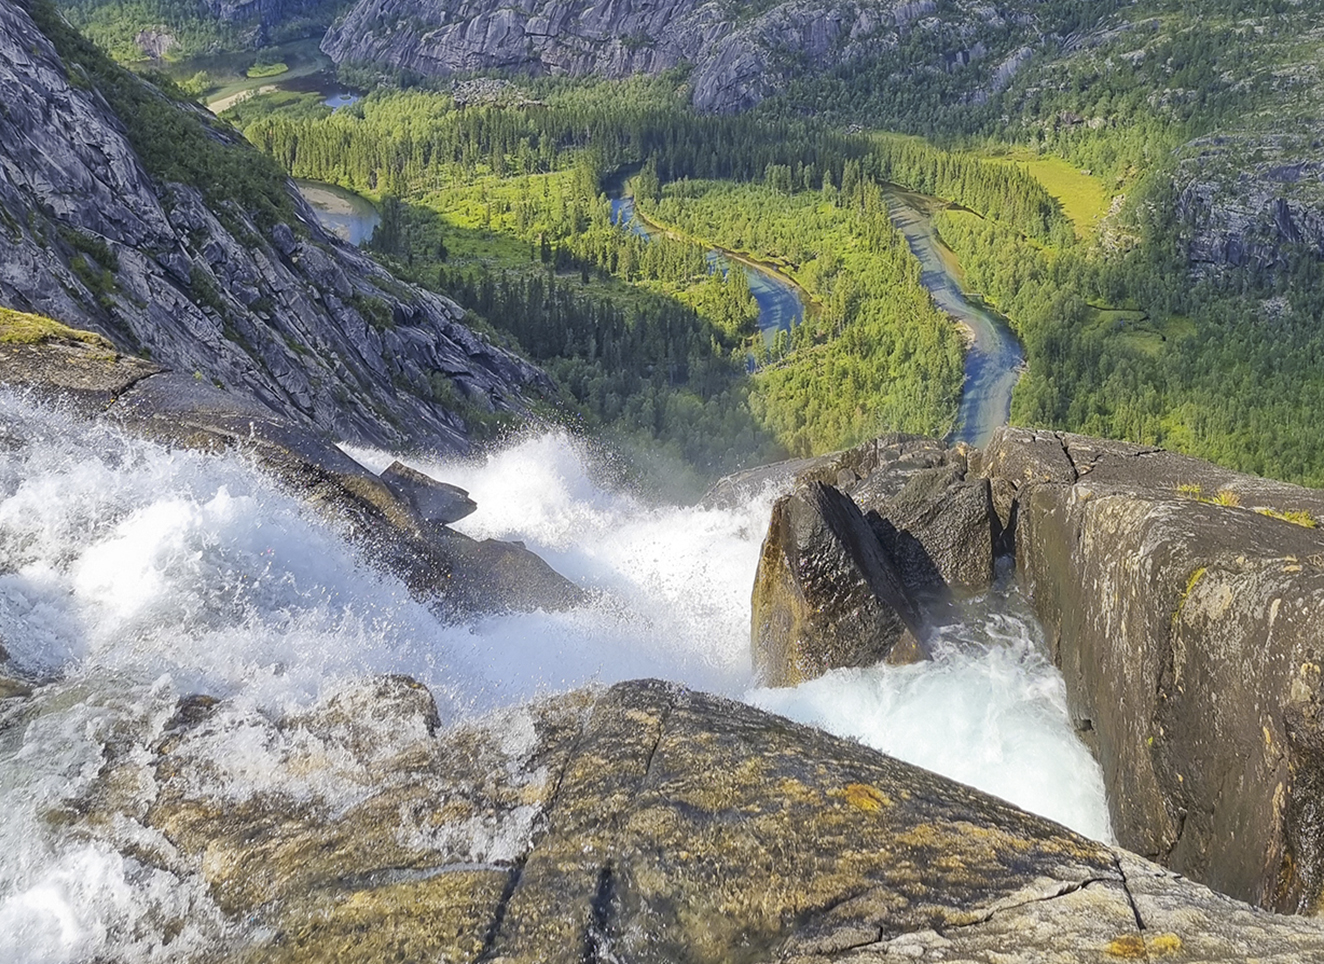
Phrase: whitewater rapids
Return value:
(132, 575)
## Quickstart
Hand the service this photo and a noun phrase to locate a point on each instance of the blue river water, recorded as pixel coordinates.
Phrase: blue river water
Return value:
(780, 305)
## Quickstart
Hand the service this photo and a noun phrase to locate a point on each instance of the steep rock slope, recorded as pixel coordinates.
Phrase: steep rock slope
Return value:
(741, 53)
(281, 313)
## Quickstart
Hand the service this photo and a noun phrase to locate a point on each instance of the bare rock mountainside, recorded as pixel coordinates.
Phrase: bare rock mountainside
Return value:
(277, 311)
(740, 53)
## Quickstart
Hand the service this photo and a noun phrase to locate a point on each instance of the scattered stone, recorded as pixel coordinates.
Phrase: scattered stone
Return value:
(434, 501)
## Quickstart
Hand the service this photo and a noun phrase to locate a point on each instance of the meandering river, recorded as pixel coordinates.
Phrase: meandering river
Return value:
(994, 358)
(780, 304)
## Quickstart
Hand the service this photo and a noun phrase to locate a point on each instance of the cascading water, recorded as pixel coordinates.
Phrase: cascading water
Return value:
(132, 576)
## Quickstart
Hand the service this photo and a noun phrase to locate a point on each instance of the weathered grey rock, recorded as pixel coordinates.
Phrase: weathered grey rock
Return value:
(939, 532)
(1249, 198)
(888, 460)
(739, 55)
(1189, 635)
(434, 501)
(311, 328)
(825, 594)
(642, 824)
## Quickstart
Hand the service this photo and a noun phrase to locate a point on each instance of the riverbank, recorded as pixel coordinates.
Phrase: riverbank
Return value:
(349, 216)
(994, 357)
(782, 302)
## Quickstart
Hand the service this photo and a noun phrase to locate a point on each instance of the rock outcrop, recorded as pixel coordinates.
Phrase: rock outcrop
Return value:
(1182, 603)
(645, 823)
(740, 54)
(308, 327)
(851, 572)
(1249, 199)
(398, 526)
(826, 594)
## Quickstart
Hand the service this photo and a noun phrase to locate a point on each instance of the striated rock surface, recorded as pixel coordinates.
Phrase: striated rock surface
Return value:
(289, 317)
(1248, 199)
(1183, 605)
(740, 53)
(645, 823)
(825, 594)
(399, 528)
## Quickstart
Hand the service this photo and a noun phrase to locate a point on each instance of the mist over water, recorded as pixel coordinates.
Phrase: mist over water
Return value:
(132, 575)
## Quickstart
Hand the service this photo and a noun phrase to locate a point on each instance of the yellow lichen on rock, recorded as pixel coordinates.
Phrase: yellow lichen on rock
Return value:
(861, 796)
(1164, 944)
(20, 328)
(1129, 947)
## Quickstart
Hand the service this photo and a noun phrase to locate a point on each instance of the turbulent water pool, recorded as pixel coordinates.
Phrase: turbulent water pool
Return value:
(132, 575)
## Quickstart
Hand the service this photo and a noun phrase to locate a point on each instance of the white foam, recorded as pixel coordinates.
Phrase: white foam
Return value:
(136, 575)
(988, 710)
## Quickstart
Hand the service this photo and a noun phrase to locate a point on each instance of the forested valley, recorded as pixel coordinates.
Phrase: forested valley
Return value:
(1069, 197)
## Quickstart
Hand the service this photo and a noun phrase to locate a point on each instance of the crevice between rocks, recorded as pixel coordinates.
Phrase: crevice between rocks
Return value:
(1063, 891)
(661, 729)
(517, 871)
(1126, 888)
(595, 937)
(1066, 452)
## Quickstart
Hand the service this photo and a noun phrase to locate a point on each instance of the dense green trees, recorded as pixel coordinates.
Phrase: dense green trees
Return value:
(875, 354)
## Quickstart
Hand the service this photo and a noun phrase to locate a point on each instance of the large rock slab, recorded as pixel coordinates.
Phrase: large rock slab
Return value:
(642, 824)
(1184, 608)
(939, 530)
(825, 594)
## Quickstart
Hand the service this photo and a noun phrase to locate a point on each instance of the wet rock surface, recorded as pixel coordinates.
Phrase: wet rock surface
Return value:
(853, 570)
(434, 501)
(1182, 603)
(644, 823)
(458, 574)
(825, 594)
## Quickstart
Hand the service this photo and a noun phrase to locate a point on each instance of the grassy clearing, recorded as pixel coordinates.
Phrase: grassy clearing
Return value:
(1136, 331)
(268, 70)
(1084, 197)
(20, 328)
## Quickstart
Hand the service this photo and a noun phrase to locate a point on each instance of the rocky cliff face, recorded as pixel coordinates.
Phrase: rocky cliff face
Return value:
(1182, 602)
(741, 53)
(288, 316)
(1247, 199)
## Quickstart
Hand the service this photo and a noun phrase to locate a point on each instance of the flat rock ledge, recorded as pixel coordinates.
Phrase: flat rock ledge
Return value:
(643, 823)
